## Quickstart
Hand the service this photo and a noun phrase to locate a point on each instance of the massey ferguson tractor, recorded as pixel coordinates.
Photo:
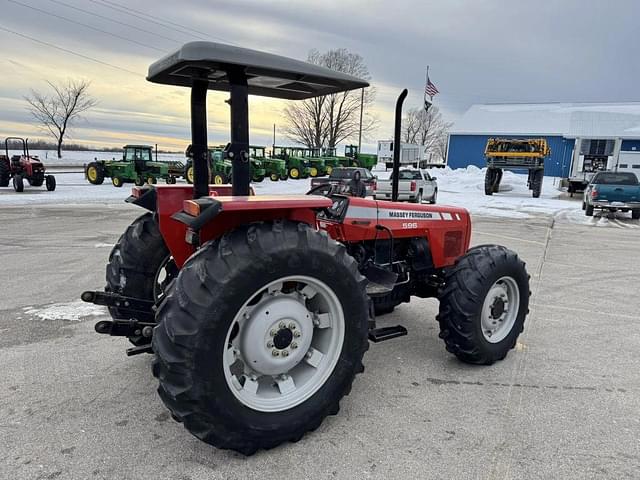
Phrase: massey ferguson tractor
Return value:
(259, 309)
(18, 168)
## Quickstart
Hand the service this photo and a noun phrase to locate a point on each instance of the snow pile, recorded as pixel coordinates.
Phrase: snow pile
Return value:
(70, 312)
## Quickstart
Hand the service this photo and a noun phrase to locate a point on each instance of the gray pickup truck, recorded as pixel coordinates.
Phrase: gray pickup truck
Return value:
(413, 186)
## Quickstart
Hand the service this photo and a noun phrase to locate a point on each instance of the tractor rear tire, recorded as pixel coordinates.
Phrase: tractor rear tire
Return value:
(188, 174)
(136, 265)
(484, 304)
(50, 183)
(258, 179)
(205, 331)
(536, 183)
(18, 183)
(5, 173)
(489, 178)
(95, 173)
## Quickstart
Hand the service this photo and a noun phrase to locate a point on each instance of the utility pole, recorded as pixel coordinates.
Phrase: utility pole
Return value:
(274, 135)
(360, 131)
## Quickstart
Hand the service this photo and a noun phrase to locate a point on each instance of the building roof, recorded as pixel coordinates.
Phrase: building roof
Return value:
(571, 120)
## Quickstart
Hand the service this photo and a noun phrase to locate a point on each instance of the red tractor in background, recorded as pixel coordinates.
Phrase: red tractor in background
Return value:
(259, 309)
(23, 167)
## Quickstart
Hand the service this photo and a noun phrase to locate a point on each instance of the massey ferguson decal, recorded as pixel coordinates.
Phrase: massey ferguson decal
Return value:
(405, 214)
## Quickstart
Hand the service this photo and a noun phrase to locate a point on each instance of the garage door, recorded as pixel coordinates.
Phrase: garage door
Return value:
(629, 162)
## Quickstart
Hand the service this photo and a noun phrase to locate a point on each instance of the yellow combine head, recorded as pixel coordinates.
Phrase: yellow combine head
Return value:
(517, 148)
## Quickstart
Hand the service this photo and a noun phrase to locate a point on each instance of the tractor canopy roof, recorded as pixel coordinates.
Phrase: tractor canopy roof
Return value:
(268, 75)
(138, 146)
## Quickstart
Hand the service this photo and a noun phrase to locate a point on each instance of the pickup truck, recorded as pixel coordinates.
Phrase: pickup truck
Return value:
(413, 185)
(613, 191)
(343, 175)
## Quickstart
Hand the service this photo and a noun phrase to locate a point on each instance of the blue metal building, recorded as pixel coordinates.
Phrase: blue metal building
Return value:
(568, 128)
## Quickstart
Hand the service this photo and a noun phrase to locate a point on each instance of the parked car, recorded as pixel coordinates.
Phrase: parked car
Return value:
(613, 191)
(413, 186)
(343, 175)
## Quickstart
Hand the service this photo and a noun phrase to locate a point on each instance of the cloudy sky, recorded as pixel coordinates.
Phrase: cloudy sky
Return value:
(479, 51)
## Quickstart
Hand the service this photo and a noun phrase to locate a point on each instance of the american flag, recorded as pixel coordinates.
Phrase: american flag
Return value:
(430, 89)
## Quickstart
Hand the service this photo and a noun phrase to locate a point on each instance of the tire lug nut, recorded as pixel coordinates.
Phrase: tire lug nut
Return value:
(292, 326)
(275, 353)
(294, 345)
(273, 333)
(285, 353)
(281, 325)
(297, 334)
(269, 344)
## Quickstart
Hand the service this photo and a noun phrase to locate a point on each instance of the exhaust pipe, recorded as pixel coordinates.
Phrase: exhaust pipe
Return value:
(396, 142)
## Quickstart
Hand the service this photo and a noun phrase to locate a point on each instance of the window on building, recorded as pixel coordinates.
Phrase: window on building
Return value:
(623, 165)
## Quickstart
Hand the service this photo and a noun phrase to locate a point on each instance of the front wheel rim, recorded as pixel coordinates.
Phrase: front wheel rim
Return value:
(283, 344)
(500, 309)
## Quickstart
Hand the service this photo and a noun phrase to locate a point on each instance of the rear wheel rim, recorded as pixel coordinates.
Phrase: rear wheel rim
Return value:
(500, 309)
(166, 272)
(284, 343)
(92, 174)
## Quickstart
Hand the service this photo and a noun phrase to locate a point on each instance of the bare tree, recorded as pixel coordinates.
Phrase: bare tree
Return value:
(57, 112)
(331, 119)
(426, 128)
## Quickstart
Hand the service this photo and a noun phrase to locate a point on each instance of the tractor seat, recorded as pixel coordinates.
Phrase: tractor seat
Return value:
(15, 159)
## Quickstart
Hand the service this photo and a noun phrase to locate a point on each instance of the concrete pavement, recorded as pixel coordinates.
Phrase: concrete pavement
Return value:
(563, 404)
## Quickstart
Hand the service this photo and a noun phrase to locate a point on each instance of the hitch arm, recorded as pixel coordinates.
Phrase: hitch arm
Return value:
(108, 299)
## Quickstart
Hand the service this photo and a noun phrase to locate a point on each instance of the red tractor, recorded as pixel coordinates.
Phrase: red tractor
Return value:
(23, 167)
(259, 309)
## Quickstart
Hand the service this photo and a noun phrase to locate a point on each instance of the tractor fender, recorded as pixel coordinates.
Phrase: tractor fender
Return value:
(145, 197)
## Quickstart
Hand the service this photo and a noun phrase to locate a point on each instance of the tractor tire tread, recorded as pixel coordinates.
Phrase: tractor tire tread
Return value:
(185, 318)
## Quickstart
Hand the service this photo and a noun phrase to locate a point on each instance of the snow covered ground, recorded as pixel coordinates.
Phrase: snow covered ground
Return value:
(461, 187)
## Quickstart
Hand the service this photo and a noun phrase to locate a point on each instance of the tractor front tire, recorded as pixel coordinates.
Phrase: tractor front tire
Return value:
(18, 183)
(497, 180)
(5, 173)
(294, 173)
(258, 179)
(489, 178)
(50, 183)
(225, 356)
(274, 177)
(536, 183)
(117, 181)
(220, 179)
(140, 266)
(188, 175)
(95, 173)
(483, 304)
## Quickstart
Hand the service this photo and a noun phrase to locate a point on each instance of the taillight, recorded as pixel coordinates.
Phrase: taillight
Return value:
(594, 193)
(414, 185)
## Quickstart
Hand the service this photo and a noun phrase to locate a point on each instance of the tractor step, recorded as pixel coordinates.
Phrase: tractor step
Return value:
(138, 350)
(126, 304)
(386, 333)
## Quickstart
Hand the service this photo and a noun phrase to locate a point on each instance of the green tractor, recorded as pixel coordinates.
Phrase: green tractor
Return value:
(275, 168)
(331, 159)
(219, 167)
(297, 166)
(354, 158)
(137, 166)
(258, 170)
(317, 165)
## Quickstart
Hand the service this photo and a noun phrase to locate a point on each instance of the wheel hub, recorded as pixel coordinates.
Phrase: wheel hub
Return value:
(284, 328)
(500, 309)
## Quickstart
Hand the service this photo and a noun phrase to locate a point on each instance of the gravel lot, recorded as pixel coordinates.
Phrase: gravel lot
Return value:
(564, 404)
